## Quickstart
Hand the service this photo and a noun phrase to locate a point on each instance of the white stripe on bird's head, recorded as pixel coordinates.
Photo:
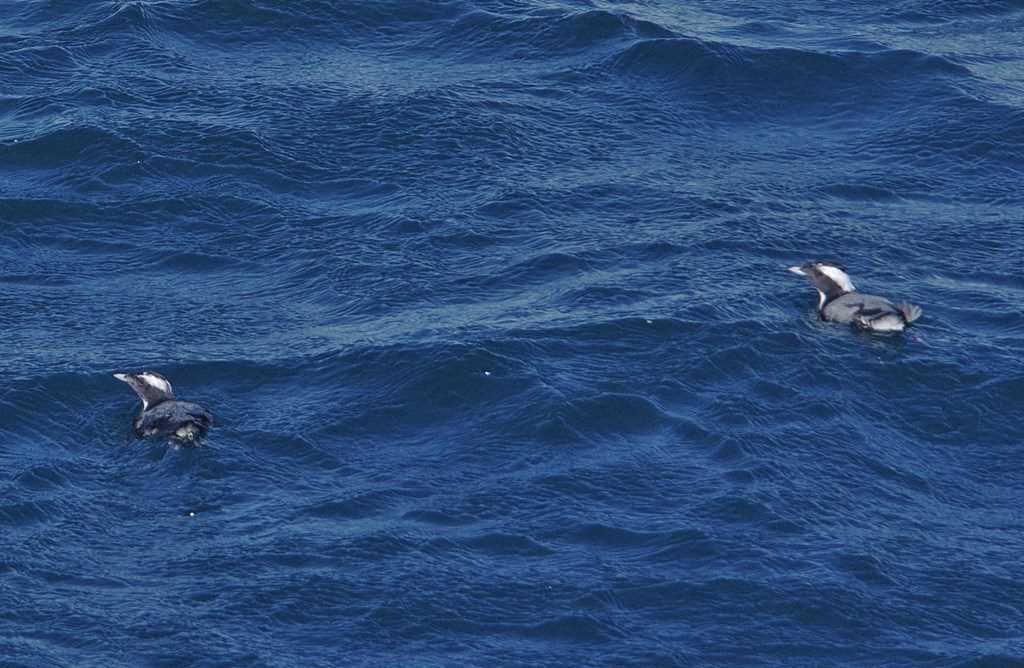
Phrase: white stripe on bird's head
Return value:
(156, 382)
(837, 275)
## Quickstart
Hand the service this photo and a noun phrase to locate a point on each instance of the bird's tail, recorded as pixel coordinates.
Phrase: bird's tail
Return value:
(910, 312)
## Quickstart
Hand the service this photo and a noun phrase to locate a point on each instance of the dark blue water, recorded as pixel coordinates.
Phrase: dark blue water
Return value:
(489, 298)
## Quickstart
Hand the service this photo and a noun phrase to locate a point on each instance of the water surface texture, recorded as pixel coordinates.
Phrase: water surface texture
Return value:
(489, 299)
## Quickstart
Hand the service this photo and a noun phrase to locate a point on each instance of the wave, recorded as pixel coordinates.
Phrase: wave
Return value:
(479, 34)
(692, 541)
(61, 146)
(860, 192)
(43, 63)
(24, 513)
(788, 71)
(451, 28)
(506, 545)
(218, 22)
(367, 504)
(922, 11)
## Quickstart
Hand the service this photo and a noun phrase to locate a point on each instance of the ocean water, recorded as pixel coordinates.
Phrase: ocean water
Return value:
(489, 299)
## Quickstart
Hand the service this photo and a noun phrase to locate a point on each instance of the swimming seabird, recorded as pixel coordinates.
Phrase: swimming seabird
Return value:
(162, 414)
(839, 301)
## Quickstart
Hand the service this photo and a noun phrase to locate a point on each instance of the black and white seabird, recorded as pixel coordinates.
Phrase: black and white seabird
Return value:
(162, 414)
(839, 301)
